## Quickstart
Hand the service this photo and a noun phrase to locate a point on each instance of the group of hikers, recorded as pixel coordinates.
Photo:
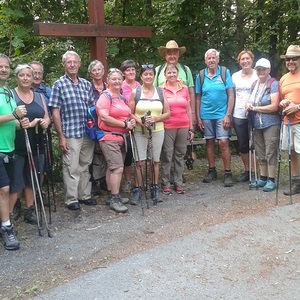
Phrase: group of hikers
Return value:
(142, 126)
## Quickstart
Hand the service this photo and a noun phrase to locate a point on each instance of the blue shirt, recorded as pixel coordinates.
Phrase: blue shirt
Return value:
(214, 98)
(73, 101)
(264, 120)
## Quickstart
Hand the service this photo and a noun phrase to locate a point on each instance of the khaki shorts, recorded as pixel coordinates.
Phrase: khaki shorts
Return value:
(294, 139)
(114, 153)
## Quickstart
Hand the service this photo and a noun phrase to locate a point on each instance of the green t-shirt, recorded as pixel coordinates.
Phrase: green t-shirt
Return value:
(187, 80)
(8, 129)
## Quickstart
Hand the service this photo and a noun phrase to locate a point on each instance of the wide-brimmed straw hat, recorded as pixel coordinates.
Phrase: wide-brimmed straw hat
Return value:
(292, 51)
(170, 45)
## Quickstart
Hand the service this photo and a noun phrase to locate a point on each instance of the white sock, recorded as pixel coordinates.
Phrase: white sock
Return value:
(7, 223)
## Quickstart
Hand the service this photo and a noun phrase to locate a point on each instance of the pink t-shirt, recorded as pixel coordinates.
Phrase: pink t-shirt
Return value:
(119, 110)
(178, 102)
(127, 90)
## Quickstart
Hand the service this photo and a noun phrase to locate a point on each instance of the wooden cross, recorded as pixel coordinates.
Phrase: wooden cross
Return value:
(96, 30)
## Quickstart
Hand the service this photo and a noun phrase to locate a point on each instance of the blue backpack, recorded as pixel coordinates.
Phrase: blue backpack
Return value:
(93, 131)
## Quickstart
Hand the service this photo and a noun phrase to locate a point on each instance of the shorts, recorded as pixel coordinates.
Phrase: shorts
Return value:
(143, 147)
(294, 139)
(6, 169)
(22, 173)
(242, 132)
(213, 129)
(114, 153)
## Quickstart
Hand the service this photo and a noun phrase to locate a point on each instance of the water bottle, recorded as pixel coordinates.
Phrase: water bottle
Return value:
(90, 123)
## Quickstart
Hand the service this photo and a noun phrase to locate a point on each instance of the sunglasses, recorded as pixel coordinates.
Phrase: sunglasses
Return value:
(114, 70)
(291, 58)
(148, 66)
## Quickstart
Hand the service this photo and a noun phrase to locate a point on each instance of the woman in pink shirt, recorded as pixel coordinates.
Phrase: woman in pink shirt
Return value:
(178, 130)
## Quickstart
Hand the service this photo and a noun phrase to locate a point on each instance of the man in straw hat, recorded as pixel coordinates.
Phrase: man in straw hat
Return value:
(171, 54)
(290, 95)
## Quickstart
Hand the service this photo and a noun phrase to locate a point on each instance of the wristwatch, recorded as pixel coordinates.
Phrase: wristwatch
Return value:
(298, 106)
(229, 116)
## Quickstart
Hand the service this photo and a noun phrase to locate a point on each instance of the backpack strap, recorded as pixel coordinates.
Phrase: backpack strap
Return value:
(184, 67)
(223, 75)
(158, 72)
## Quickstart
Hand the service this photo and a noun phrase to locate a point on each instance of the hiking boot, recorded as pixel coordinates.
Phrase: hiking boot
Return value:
(136, 196)
(228, 182)
(17, 210)
(270, 186)
(123, 200)
(9, 238)
(244, 177)
(29, 215)
(261, 183)
(117, 205)
(127, 187)
(210, 176)
(155, 194)
(295, 188)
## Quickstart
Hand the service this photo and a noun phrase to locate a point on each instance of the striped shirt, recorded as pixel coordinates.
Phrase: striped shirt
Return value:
(73, 101)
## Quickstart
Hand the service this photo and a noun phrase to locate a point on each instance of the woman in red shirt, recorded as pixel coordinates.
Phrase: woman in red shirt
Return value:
(178, 130)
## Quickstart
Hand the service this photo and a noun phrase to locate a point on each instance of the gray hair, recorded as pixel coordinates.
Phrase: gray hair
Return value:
(72, 53)
(2, 55)
(21, 67)
(95, 63)
(35, 62)
(209, 51)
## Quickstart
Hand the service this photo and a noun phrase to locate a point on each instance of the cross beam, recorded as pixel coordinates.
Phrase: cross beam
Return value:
(96, 30)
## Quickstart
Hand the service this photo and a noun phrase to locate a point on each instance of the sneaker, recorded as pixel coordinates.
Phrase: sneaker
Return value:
(117, 205)
(166, 190)
(136, 196)
(244, 177)
(228, 182)
(210, 176)
(155, 194)
(127, 187)
(9, 238)
(29, 215)
(179, 189)
(270, 186)
(294, 190)
(261, 183)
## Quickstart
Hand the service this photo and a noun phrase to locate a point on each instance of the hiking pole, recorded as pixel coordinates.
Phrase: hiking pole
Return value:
(34, 180)
(252, 157)
(50, 169)
(279, 159)
(136, 157)
(47, 166)
(290, 162)
(152, 167)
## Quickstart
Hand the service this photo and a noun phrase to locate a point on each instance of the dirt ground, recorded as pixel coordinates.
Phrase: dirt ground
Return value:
(95, 236)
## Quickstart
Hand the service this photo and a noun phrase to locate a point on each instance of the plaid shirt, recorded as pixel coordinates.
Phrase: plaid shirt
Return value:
(73, 101)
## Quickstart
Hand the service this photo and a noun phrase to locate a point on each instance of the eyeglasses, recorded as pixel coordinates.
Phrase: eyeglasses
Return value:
(288, 59)
(261, 69)
(148, 66)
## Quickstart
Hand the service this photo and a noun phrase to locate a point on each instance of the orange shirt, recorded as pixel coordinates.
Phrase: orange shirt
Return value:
(290, 89)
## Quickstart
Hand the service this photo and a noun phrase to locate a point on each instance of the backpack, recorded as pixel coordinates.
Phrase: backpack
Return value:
(138, 93)
(184, 67)
(223, 75)
(93, 131)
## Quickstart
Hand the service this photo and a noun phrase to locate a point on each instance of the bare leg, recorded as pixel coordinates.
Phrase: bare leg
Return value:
(210, 152)
(225, 153)
(4, 204)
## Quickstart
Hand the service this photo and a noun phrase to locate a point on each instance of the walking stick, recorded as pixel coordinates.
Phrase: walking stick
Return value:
(136, 157)
(279, 160)
(50, 167)
(36, 186)
(252, 156)
(290, 162)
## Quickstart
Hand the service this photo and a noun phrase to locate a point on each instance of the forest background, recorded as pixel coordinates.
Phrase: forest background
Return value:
(265, 27)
